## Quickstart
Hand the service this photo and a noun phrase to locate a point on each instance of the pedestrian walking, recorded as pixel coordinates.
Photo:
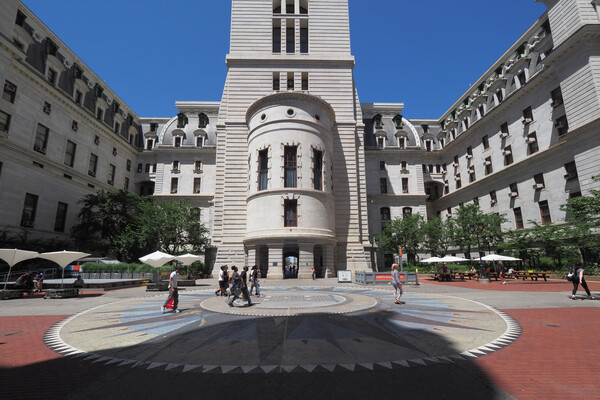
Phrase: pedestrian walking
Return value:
(254, 280)
(39, 281)
(238, 287)
(223, 281)
(314, 273)
(244, 276)
(580, 279)
(173, 293)
(502, 272)
(396, 284)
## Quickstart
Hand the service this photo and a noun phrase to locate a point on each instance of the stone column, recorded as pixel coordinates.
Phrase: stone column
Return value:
(328, 262)
(306, 261)
(251, 256)
(275, 270)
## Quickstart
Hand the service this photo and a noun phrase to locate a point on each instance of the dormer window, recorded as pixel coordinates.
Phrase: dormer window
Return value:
(557, 98)
(377, 122)
(177, 141)
(199, 141)
(397, 120)
(153, 126)
(401, 142)
(182, 120)
(202, 121)
(51, 48)
(20, 19)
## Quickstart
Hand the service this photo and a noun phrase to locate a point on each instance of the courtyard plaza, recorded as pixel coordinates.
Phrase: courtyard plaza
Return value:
(307, 339)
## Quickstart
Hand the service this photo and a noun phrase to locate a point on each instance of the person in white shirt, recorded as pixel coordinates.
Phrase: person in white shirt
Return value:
(173, 294)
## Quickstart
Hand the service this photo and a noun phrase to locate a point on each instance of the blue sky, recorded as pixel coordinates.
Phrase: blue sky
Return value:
(424, 54)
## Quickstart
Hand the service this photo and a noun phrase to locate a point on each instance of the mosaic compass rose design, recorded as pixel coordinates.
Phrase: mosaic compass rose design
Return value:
(289, 330)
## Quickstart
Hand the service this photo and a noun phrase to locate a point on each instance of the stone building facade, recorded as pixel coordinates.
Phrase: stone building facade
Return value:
(290, 164)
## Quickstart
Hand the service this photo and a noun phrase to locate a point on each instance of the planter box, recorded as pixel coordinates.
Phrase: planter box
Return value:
(137, 275)
(105, 275)
(85, 275)
(148, 275)
(115, 275)
(94, 275)
(126, 275)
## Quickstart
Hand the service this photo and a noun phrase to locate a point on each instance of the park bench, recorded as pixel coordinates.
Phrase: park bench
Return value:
(531, 275)
(15, 293)
(61, 293)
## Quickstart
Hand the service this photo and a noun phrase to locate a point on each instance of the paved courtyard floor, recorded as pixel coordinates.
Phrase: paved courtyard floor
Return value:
(304, 338)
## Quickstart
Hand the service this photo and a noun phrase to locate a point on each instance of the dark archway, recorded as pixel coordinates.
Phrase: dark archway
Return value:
(290, 263)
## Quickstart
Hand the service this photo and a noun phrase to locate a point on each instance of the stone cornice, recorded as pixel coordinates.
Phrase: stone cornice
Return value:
(251, 58)
(281, 97)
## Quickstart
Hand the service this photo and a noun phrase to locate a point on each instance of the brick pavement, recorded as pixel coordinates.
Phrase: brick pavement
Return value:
(518, 285)
(555, 357)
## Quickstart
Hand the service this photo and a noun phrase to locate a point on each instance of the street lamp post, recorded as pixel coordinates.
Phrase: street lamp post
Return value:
(477, 230)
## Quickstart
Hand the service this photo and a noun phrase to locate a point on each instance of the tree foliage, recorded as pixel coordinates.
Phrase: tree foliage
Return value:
(406, 232)
(129, 226)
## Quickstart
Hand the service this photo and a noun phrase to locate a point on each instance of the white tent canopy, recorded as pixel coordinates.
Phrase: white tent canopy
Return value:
(498, 257)
(63, 258)
(448, 258)
(188, 259)
(157, 259)
(432, 260)
(14, 256)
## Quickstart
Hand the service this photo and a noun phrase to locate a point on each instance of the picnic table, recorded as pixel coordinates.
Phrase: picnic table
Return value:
(532, 275)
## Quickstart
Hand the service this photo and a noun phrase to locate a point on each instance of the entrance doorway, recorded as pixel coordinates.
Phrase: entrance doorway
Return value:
(290, 264)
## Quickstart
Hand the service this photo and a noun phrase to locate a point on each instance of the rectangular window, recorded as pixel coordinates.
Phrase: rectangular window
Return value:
(527, 116)
(117, 128)
(562, 125)
(276, 83)
(539, 183)
(570, 170)
(111, 174)
(51, 76)
(198, 167)
(197, 185)
(532, 144)
(149, 144)
(382, 165)
(402, 142)
(404, 185)
(29, 210)
(404, 169)
(545, 212)
(493, 198)
(290, 81)
(78, 97)
(304, 39)
(41, 139)
(305, 81)
(174, 184)
(147, 170)
(488, 165)
(128, 166)
(290, 166)
(385, 214)
(485, 141)
(61, 217)
(383, 185)
(177, 142)
(472, 177)
(277, 37)
(318, 170)
(291, 213)
(508, 157)
(47, 108)
(518, 218)
(263, 169)
(175, 168)
(513, 190)
(20, 19)
(10, 91)
(4, 121)
(428, 145)
(557, 98)
(93, 165)
(200, 141)
(458, 183)
(126, 185)
(290, 44)
(504, 133)
(70, 153)
(99, 114)
(521, 78)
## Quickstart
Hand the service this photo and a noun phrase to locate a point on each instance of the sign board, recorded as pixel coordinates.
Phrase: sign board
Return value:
(383, 277)
(344, 276)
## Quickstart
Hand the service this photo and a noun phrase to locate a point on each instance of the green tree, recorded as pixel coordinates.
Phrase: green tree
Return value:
(492, 234)
(438, 235)
(406, 232)
(466, 216)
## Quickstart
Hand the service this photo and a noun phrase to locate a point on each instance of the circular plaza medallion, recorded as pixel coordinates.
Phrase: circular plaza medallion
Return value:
(288, 330)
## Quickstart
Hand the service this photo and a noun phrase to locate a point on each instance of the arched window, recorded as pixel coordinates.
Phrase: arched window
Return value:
(182, 120)
(202, 120)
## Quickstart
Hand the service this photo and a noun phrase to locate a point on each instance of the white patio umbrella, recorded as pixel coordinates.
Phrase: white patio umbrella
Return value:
(188, 259)
(63, 258)
(157, 259)
(448, 258)
(432, 260)
(498, 257)
(14, 256)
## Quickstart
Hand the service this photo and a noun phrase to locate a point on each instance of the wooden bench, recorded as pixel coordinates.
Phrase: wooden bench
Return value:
(61, 293)
(531, 275)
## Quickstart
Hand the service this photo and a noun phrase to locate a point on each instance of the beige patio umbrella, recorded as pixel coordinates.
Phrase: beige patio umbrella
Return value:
(188, 259)
(15, 256)
(63, 258)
